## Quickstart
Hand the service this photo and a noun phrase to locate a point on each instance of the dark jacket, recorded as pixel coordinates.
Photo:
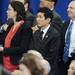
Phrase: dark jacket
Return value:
(48, 47)
(29, 17)
(19, 43)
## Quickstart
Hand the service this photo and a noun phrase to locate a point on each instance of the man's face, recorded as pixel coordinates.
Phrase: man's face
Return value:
(41, 21)
(71, 70)
(71, 9)
(46, 3)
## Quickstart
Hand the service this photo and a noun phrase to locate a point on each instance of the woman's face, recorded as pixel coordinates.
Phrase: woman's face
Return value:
(10, 12)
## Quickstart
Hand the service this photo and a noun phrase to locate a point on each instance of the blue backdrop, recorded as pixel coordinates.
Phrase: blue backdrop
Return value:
(3, 10)
(61, 8)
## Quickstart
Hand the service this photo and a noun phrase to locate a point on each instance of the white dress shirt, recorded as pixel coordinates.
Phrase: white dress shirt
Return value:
(72, 40)
(45, 31)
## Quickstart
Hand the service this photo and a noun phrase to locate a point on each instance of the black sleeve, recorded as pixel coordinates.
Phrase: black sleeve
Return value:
(26, 35)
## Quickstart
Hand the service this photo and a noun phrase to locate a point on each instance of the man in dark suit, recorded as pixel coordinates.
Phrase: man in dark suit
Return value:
(48, 44)
(56, 23)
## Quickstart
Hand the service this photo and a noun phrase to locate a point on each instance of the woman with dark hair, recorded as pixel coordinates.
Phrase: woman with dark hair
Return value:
(17, 37)
(19, 8)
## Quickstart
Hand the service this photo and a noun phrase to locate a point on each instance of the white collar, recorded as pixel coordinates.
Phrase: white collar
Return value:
(45, 29)
(72, 21)
(52, 9)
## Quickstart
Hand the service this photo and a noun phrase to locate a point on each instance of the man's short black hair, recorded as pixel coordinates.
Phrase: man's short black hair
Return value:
(47, 12)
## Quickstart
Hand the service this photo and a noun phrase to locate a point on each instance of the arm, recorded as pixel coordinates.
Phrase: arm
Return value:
(22, 44)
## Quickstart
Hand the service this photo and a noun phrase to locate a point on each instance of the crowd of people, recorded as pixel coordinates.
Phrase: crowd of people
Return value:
(37, 45)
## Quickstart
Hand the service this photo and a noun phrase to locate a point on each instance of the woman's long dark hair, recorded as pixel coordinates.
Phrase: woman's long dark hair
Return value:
(19, 8)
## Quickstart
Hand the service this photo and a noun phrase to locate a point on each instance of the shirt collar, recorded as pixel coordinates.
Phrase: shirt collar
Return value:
(72, 21)
(45, 29)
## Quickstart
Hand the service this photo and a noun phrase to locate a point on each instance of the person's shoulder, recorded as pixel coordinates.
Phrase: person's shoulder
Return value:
(29, 14)
(66, 23)
(25, 26)
(56, 18)
(56, 15)
(55, 31)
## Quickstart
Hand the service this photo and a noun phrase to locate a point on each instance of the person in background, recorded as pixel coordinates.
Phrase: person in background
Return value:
(29, 16)
(57, 24)
(17, 37)
(69, 33)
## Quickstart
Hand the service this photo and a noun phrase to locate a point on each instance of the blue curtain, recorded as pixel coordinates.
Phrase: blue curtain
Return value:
(34, 6)
(61, 8)
(3, 10)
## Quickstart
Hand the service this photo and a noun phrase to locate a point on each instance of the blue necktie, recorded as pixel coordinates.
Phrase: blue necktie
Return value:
(67, 43)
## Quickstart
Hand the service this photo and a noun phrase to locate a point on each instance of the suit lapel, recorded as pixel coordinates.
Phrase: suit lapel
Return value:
(47, 37)
(37, 36)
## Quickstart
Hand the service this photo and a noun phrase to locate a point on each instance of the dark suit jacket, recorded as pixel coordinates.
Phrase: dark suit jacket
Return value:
(49, 47)
(29, 18)
(58, 25)
(66, 65)
(56, 21)
(19, 43)
(65, 26)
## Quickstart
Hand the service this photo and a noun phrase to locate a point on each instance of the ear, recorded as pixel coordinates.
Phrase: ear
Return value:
(48, 19)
